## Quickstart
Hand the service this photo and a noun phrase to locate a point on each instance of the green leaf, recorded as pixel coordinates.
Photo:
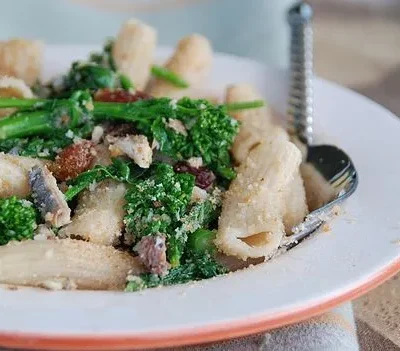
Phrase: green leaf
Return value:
(122, 171)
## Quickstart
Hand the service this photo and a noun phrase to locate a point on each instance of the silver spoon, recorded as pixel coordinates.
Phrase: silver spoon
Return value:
(332, 163)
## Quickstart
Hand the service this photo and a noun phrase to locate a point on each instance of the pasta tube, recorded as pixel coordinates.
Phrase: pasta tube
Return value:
(191, 61)
(319, 192)
(255, 124)
(256, 127)
(14, 174)
(133, 51)
(251, 222)
(13, 87)
(296, 208)
(58, 264)
(99, 215)
(21, 59)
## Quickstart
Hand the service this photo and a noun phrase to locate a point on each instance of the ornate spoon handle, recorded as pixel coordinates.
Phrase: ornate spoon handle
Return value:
(301, 107)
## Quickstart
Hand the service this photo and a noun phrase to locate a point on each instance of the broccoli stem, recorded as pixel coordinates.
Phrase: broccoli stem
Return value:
(174, 251)
(126, 82)
(244, 105)
(202, 241)
(20, 103)
(169, 76)
(26, 123)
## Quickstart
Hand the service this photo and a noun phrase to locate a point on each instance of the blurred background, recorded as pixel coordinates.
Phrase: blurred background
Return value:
(357, 44)
(357, 41)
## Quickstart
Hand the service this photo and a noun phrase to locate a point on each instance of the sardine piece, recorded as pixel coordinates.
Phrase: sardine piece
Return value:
(48, 197)
(152, 254)
(14, 171)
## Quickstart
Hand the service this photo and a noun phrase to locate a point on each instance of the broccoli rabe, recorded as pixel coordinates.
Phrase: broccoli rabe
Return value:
(208, 130)
(41, 117)
(41, 147)
(105, 57)
(199, 215)
(86, 76)
(18, 219)
(157, 204)
(197, 267)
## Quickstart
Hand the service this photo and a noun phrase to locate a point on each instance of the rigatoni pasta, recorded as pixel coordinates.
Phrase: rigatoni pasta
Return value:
(133, 51)
(257, 126)
(13, 87)
(296, 206)
(251, 222)
(14, 176)
(21, 59)
(318, 190)
(99, 214)
(59, 264)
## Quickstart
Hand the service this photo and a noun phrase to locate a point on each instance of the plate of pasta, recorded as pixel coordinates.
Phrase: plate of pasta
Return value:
(145, 194)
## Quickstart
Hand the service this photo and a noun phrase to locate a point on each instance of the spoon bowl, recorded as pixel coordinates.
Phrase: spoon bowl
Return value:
(339, 175)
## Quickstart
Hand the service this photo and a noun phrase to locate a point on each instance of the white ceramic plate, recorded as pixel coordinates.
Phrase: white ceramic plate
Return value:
(360, 251)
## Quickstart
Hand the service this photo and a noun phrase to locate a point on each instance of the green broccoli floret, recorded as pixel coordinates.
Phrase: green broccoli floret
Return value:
(196, 268)
(210, 132)
(157, 204)
(17, 220)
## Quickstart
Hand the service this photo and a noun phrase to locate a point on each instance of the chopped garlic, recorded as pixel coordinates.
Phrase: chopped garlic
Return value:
(177, 126)
(69, 134)
(198, 195)
(136, 147)
(97, 134)
(195, 162)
